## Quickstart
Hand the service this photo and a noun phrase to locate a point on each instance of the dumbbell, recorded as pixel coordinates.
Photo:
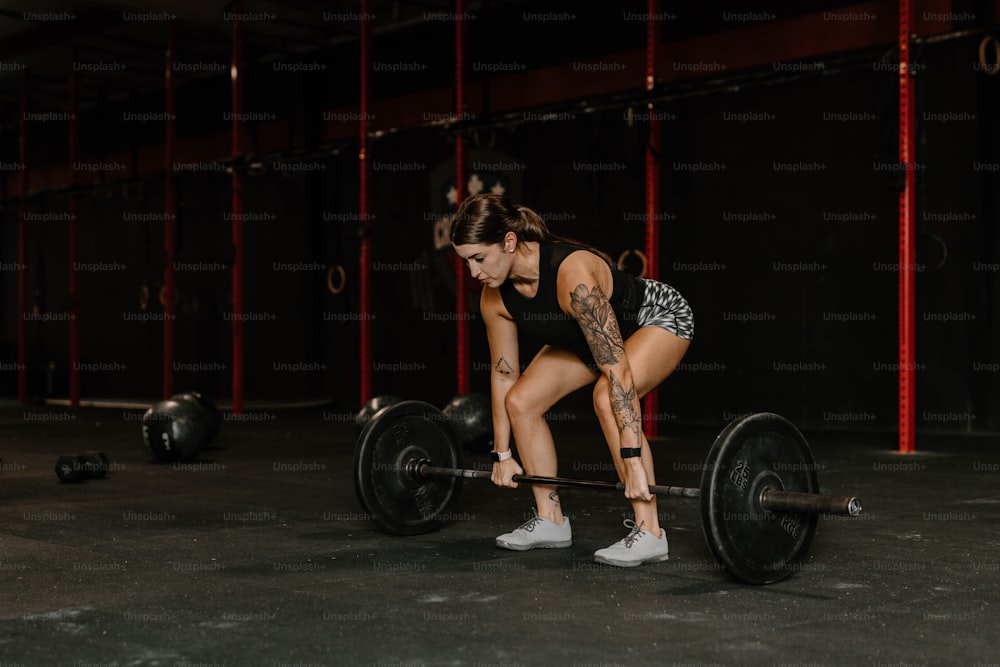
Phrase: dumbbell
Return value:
(178, 428)
(471, 418)
(208, 409)
(175, 430)
(89, 465)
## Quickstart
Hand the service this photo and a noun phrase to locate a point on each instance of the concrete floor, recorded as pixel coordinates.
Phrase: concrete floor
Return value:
(259, 554)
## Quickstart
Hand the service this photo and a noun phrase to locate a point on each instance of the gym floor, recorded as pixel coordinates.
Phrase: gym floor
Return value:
(259, 554)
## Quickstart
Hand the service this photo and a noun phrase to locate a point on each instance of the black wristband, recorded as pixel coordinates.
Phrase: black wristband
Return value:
(631, 452)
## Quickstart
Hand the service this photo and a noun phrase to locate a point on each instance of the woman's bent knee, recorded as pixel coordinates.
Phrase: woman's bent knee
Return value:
(521, 404)
(602, 400)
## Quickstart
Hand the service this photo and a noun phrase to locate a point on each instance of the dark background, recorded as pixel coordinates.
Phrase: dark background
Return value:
(791, 274)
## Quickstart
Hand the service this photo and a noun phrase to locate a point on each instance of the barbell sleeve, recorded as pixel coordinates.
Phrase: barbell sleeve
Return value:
(776, 500)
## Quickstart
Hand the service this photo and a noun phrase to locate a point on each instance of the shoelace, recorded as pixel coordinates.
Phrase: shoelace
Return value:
(634, 534)
(529, 525)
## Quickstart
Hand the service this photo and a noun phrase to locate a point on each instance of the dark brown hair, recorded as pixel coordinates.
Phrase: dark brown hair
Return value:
(486, 218)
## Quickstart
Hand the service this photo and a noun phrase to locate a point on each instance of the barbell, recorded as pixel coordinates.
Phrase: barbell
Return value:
(759, 490)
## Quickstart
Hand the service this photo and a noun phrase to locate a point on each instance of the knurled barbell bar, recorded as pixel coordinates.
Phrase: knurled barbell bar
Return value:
(771, 499)
(759, 490)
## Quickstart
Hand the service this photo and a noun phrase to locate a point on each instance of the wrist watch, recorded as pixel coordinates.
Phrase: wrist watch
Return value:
(500, 456)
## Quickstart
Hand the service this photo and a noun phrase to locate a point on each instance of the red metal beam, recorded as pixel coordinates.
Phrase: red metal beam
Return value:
(365, 261)
(236, 74)
(169, 226)
(756, 45)
(651, 403)
(461, 286)
(74, 238)
(22, 245)
(907, 240)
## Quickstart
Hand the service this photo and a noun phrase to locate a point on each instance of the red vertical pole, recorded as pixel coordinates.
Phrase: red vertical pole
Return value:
(237, 181)
(22, 246)
(169, 227)
(74, 238)
(907, 241)
(651, 403)
(365, 268)
(461, 287)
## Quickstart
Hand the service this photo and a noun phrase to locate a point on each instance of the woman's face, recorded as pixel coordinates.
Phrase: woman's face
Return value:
(489, 264)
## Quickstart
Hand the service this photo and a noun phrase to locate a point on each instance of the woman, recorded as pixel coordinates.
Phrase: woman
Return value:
(599, 325)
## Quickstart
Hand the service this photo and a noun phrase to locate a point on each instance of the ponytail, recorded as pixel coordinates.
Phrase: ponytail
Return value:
(530, 226)
(486, 219)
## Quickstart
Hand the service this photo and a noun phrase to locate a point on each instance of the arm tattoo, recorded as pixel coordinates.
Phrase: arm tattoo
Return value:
(600, 326)
(622, 400)
(503, 367)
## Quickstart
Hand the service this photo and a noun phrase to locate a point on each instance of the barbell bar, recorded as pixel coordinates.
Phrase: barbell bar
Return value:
(759, 490)
(772, 500)
(425, 469)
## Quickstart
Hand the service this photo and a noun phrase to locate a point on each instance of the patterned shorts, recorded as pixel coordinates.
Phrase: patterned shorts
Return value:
(664, 307)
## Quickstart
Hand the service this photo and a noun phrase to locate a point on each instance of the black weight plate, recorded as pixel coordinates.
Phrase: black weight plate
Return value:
(397, 500)
(758, 452)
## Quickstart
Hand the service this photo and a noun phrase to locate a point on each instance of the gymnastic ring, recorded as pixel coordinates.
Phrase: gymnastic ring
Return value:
(944, 253)
(329, 279)
(993, 68)
(638, 253)
(163, 296)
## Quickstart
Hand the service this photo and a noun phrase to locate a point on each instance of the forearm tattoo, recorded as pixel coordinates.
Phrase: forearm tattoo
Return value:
(600, 326)
(503, 368)
(623, 401)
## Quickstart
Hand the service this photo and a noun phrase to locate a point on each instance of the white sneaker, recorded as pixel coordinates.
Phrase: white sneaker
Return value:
(638, 547)
(538, 533)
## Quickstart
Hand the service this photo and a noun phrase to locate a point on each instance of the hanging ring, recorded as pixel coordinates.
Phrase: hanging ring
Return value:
(341, 279)
(638, 253)
(163, 296)
(992, 68)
